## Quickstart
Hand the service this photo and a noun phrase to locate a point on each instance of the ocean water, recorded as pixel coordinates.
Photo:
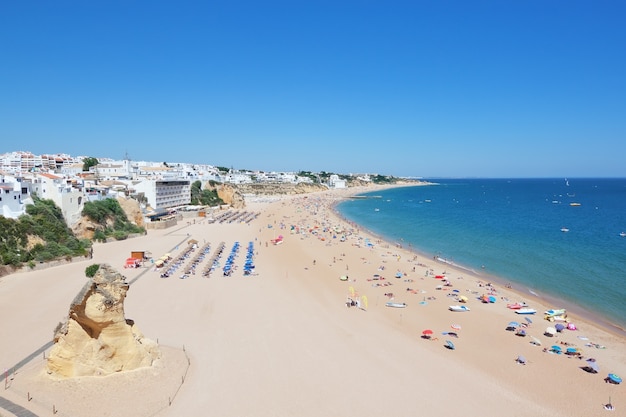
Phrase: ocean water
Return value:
(512, 229)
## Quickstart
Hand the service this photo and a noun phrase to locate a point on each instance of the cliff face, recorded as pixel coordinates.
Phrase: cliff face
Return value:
(132, 210)
(231, 195)
(84, 228)
(97, 339)
(280, 189)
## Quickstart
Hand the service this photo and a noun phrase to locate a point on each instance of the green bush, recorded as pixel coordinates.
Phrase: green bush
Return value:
(99, 236)
(120, 235)
(91, 270)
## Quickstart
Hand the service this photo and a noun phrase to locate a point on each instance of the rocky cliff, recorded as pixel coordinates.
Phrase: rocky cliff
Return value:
(280, 189)
(97, 339)
(84, 228)
(231, 195)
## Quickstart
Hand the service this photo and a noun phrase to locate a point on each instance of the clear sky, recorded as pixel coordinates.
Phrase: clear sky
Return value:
(408, 88)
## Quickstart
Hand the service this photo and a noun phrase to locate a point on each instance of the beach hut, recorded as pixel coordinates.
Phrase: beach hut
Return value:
(138, 254)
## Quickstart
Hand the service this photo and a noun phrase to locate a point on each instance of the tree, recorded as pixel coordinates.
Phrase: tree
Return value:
(89, 162)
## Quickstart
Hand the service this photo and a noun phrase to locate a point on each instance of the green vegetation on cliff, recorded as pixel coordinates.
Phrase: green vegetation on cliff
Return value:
(111, 218)
(39, 236)
(200, 197)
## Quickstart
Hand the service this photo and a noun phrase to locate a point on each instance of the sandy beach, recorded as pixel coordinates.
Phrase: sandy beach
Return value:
(284, 342)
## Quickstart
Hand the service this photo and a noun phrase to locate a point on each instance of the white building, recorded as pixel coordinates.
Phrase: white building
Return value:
(14, 196)
(17, 162)
(66, 193)
(335, 182)
(164, 195)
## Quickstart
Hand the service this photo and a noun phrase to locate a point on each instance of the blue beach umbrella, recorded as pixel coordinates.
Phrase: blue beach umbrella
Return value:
(528, 320)
(555, 348)
(614, 378)
(449, 345)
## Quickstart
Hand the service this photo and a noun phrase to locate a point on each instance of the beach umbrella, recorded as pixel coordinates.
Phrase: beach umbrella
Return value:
(521, 359)
(491, 299)
(550, 331)
(427, 332)
(571, 350)
(456, 326)
(559, 327)
(535, 341)
(614, 378)
(462, 299)
(450, 346)
(571, 326)
(528, 320)
(521, 332)
(513, 324)
(453, 334)
(592, 366)
(555, 348)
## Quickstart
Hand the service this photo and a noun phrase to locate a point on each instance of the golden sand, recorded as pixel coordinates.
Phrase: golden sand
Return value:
(282, 341)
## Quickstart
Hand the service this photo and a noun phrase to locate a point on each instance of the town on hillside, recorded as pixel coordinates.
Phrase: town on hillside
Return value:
(159, 187)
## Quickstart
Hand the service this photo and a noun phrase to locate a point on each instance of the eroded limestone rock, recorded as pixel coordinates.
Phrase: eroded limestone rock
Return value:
(97, 339)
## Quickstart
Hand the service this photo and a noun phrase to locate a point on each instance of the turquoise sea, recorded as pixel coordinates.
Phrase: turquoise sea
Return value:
(558, 238)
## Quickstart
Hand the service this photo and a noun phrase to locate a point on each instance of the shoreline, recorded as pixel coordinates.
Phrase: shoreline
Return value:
(573, 308)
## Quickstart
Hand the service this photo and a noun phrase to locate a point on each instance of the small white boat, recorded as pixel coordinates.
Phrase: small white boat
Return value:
(564, 229)
(395, 305)
(623, 234)
(459, 308)
(526, 311)
(555, 312)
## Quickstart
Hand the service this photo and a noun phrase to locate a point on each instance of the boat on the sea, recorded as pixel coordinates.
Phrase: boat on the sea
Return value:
(526, 310)
(395, 305)
(458, 308)
(564, 229)
(574, 204)
(623, 234)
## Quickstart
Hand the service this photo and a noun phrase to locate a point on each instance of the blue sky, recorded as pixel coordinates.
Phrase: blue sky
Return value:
(416, 88)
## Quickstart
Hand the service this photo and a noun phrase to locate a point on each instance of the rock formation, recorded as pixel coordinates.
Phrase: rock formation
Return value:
(231, 196)
(84, 227)
(97, 339)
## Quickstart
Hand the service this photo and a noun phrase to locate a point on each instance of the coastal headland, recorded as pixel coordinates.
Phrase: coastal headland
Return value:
(309, 331)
